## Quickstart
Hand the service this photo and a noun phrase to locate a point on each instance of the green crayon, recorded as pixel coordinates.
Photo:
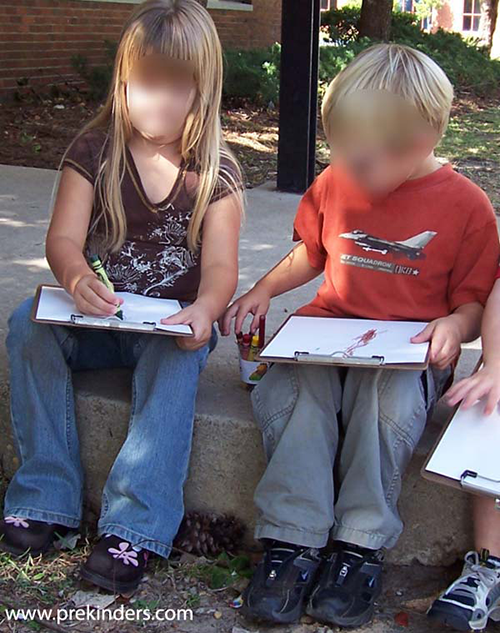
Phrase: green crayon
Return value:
(98, 268)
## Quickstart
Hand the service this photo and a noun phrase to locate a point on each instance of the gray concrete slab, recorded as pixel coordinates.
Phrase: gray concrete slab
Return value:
(227, 458)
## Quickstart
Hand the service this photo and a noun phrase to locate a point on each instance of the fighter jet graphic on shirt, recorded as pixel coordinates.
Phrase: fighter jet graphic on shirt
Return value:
(412, 248)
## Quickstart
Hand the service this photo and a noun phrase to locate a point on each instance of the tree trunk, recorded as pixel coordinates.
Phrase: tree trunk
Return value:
(492, 21)
(375, 21)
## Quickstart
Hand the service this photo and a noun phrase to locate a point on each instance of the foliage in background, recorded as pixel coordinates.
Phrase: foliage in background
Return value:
(253, 75)
(466, 63)
(97, 78)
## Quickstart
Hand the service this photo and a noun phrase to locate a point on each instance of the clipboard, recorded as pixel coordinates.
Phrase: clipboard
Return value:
(69, 316)
(338, 358)
(468, 479)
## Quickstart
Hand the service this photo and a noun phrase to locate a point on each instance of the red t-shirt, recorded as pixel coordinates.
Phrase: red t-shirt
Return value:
(425, 249)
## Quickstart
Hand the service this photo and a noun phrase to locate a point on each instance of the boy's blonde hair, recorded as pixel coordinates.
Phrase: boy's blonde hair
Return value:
(183, 30)
(399, 70)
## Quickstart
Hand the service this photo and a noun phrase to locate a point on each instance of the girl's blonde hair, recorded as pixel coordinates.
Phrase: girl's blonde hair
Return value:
(396, 69)
(180, 29)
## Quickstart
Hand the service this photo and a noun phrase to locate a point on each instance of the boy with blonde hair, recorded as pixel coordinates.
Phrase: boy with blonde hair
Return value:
(398, 236)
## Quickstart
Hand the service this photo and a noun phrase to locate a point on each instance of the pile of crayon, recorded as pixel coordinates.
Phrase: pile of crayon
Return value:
(250, 345)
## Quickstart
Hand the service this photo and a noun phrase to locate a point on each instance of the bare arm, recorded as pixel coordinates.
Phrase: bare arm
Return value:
(486, 382)
(65, 243)
(490, 330)
(292, 271)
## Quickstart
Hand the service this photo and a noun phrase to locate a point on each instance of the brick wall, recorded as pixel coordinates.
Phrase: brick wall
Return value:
(39, 37)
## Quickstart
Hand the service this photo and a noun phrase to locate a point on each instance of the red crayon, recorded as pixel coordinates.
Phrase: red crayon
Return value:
(245, 346)
(262, 331)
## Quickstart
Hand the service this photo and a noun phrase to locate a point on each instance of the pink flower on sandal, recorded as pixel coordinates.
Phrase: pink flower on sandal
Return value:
(17, 522)
(126, 555)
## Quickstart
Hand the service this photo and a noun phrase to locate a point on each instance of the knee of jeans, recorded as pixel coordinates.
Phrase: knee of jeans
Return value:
(403, 406)
(23, 331)
(275, 396)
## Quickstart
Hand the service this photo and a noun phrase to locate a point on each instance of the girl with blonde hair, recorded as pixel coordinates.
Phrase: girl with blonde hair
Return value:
(150, 186)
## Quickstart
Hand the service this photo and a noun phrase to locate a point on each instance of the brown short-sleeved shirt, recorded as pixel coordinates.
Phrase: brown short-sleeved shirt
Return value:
(155, 259)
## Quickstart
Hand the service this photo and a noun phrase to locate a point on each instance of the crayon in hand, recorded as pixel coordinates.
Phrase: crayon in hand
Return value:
(98, 268)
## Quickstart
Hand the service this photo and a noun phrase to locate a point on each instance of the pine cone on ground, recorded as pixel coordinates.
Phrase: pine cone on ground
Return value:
(209, 535)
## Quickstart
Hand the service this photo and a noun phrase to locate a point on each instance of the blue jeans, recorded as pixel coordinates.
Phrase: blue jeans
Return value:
(142, 501)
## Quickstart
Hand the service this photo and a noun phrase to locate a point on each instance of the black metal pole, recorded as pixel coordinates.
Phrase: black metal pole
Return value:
(298, 94)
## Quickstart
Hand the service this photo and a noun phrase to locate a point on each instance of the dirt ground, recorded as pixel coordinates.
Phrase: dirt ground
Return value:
(38, 129)
(189, 584)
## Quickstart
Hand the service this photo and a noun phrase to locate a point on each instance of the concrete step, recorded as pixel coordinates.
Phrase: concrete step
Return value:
(227, 459)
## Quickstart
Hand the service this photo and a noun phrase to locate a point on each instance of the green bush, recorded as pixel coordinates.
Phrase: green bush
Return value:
(252, 74)
(466, 63)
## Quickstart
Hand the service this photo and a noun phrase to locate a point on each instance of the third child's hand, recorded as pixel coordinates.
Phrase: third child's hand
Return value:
(92, 297)
(445, 339)
(200, 321)
(255, 301)
(484, 383)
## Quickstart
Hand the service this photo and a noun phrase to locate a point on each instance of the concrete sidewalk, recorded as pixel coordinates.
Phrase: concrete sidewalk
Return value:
(227, 458)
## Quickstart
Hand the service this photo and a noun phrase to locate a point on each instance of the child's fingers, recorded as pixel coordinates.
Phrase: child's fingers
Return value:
(183, 317)
(86, 307)
(459, 391)
(475, 394)
(254, 325)
(104, 293)
(227, 317)
(424, 335)
(241, 316)
(492, 402)
(100, 306)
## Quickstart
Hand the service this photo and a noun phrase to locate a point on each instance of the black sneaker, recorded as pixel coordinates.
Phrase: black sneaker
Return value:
(19, 535)
(347, 588)
(115, 565)
(281, 583)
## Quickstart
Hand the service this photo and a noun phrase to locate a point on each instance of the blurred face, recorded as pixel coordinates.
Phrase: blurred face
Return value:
(380, 139)
(380, 168)
(160, 94)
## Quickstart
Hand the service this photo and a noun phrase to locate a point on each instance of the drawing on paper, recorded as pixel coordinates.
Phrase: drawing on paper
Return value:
(362, 341)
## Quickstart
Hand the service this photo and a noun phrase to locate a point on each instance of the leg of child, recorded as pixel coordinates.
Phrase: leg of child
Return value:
(383, 413)
(486, 525)
(142, 500)
(47, 487)
(296, 408)
(48, 484)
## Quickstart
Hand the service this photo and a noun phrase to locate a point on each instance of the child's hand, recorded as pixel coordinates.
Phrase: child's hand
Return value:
(486, 382)
(256, 301)
(199, 319)
(445, 338)
(92, 297)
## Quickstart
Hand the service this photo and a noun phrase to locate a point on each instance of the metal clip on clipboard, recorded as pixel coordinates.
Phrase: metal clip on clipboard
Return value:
(471, 481)
(334, 359)
(115, 324)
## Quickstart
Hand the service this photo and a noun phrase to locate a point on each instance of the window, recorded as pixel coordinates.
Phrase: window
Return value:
(406, 5)
(472, 15)
(230, 5)
(326, 5)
